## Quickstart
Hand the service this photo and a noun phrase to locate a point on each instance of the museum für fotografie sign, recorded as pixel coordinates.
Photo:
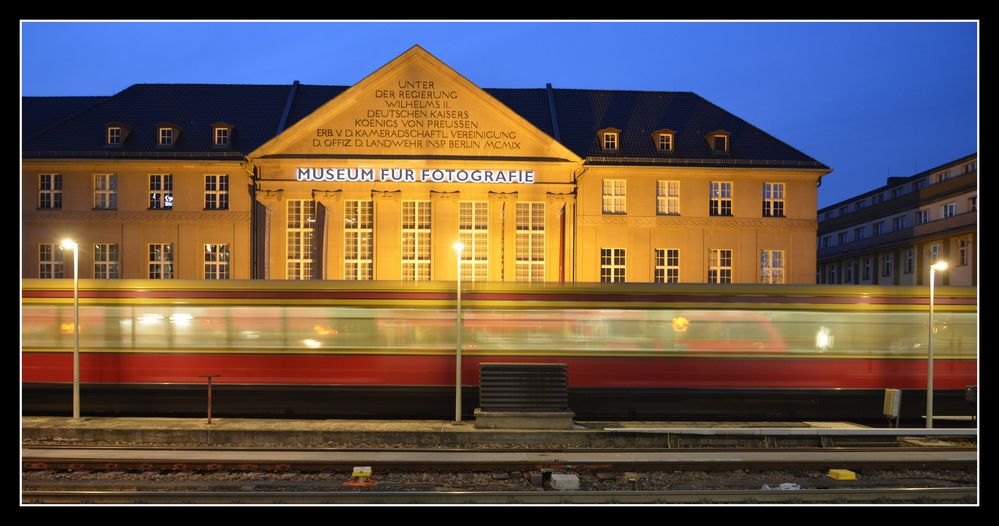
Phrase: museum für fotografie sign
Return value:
(408, 175)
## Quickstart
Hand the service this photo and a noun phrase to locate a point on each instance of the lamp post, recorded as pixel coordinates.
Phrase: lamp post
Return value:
(70, 244)
(941, 266)
(458, 247)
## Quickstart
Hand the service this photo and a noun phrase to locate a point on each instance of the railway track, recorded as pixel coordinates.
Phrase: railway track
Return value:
(175, 475)
(444, 459)
(863, 495)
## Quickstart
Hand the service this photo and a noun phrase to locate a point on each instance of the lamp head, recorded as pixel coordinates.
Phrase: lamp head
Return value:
(459, 246)
(69, 244)
(939, 266)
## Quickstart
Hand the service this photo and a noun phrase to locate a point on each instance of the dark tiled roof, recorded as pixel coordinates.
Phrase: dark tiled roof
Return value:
(638, 114)
(255, 112)
(39, 113)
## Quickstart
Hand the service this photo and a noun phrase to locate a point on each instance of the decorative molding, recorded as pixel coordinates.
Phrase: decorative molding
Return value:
(325, 196)
(502, 196)
(270, 195)
(157, 216)
(444, 196)
(569, 198)
(715, 222)
(386, 195)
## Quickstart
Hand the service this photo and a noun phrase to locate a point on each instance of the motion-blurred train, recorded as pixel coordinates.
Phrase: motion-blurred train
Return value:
(387, 349)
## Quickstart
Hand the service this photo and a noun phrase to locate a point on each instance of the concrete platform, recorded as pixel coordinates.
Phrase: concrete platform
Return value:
(415, 433)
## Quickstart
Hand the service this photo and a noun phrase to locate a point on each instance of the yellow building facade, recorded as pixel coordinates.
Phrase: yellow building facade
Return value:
(380, 179)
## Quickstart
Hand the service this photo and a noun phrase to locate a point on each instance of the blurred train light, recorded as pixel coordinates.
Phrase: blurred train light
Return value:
(324, 330)
(250, 335)
(681, 324)
(150, 318)
(181, 318)
(67, 328)
(824, 338)
(310, 343)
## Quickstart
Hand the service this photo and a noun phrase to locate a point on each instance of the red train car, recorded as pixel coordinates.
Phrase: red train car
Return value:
(387, 349)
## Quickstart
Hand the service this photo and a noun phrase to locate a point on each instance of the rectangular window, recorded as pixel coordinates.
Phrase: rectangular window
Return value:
(614, 196)
(473, 232)
(878, 228)
(772, 267)
(887, 265)
(358, 240)
(923, 217)
(612, 265)
(720, 266)
(165, 137)
(50, 263)
(848, 272)
(50, 191)
(878, 198)
(610, 141)
(216, 192)
(668, 197)
(105, 192)
(114, 135)
(948, 210)
(773, 199)
(160, 261)
(665, 142)
(910, 263)
(160, 192)
(825, 241)
(833, 273)
(962, 251)
(301, 220)
(858, 233)
(667, 265)
(898, 223)
(217, 261)
(973, 203)
(897, 191)
(867, 269)
(530, 241)
(841, 238)
(721, 198)
(843, 210)
(416, 240)
(720, 143)
(221, 136)
(858, 205)
(106, 265)
(934, 253)
(918, 185)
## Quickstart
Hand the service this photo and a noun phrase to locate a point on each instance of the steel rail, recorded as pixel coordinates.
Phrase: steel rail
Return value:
(862, 495)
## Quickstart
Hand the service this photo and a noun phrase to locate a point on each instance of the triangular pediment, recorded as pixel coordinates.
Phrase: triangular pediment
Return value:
(415, 107)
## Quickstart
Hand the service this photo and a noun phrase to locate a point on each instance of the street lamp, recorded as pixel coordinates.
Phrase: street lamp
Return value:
(458, 247)
(941, 266)
(66, 245)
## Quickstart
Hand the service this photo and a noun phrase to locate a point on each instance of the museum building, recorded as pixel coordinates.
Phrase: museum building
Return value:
(379, 180)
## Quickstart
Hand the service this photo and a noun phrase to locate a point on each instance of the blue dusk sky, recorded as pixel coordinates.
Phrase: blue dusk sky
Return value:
(868, 99)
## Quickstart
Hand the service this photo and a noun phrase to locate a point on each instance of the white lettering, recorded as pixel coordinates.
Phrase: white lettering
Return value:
(408, 175)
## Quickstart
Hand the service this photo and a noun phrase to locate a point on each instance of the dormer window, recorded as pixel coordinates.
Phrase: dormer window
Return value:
(610, 139)
(165, 137)
(115, 134)
(663, 140)
(221, 136)
(718, 140)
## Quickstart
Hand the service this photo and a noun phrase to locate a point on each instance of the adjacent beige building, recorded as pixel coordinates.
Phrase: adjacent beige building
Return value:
(892, 234)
